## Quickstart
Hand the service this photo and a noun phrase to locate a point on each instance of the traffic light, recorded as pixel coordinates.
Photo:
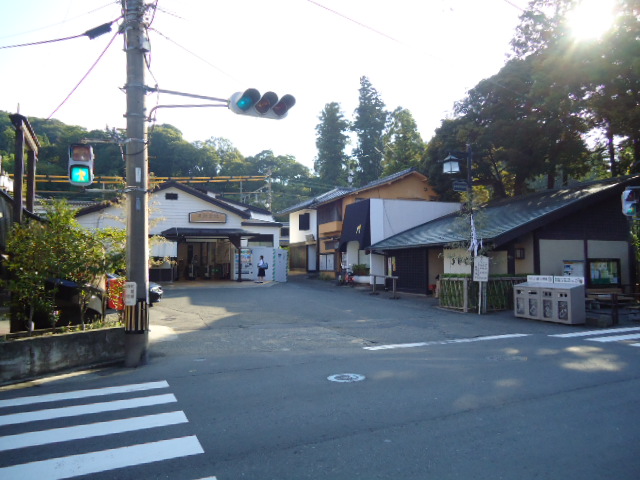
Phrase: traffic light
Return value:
(251, 103)
(81, 164)
(630, 201)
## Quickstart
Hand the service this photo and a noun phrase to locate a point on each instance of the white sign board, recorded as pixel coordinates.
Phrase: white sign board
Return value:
(129, 293)
(567, 279)
(540, 278)
(480, 269)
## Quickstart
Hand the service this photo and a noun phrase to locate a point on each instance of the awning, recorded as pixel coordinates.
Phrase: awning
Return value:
(356, 225)
(233, 234)
(178, 233)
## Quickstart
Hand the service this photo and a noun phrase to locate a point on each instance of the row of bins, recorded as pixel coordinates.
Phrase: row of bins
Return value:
(550, 302)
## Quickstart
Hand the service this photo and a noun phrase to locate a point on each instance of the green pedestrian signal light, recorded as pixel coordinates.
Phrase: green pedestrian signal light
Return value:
(630, 201)
(81, 164)
(251, 103)
(80, 175)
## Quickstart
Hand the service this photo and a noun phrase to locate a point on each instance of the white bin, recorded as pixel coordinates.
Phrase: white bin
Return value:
(550, 302)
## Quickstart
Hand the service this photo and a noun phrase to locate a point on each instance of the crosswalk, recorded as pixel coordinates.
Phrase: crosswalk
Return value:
(606, 336)
(70, 424)
(625, 334)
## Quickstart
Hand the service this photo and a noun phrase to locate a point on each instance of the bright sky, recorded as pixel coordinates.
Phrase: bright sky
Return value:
(422, 55)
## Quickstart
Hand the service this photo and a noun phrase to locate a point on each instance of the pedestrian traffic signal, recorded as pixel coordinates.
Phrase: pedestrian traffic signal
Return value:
(251, 103)
(81, 164)
(630, 201)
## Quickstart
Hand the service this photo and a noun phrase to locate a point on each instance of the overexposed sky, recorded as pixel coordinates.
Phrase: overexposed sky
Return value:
(422, 55)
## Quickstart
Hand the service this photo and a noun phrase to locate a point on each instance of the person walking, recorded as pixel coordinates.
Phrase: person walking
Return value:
(262, 266)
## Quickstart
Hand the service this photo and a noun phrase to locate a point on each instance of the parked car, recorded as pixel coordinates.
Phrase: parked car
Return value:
(67, 304)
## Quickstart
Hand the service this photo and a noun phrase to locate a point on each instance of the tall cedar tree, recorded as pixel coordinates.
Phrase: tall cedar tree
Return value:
(331, 141)
(403, 145)
(369, 125)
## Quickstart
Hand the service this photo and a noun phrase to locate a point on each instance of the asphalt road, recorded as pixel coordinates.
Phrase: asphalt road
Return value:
(306, 380)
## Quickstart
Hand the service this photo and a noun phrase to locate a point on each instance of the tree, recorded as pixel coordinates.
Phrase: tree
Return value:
(171, 155)
(58, 248)
(369, 125)
(286, 176)
(403, 145)
(601, 76)
(331, 141)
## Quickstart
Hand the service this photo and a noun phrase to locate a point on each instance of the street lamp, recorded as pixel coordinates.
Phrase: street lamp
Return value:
(451, 165)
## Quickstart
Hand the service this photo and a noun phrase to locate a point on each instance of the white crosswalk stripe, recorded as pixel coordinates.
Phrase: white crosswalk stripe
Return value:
(61, 439)
(445, 342)
(606, 336)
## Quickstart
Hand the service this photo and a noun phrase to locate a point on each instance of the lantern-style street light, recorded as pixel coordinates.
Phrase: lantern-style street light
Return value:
(451, 165)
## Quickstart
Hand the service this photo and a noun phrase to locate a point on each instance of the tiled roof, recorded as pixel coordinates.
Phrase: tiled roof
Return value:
(339, 192)
(322, 198)
(504, 220)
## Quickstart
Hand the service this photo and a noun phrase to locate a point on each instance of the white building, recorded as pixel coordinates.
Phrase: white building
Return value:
(203, 234)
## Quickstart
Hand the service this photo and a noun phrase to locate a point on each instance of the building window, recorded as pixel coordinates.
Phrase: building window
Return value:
(304, 221)
(170, 196)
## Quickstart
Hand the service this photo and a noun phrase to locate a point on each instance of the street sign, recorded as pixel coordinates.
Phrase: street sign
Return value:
(129, 291)
(460, 186)
(480, 269)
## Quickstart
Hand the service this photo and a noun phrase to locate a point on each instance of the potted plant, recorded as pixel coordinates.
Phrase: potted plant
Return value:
(360, 269)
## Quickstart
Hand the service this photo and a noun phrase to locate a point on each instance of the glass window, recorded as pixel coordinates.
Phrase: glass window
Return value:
(604, 271)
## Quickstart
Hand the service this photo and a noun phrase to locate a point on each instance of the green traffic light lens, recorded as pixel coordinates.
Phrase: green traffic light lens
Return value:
(248, 99)
(80, 174)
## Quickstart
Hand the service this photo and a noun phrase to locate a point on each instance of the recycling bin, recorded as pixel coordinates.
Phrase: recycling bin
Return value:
(550, 302)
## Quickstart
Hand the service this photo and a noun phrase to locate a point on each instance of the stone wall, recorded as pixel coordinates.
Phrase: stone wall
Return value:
(25, 358)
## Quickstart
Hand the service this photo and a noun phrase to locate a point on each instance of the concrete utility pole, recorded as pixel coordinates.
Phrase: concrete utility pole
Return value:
(136, 159)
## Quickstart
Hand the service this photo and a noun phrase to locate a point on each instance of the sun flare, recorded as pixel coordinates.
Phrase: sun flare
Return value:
(591, 18)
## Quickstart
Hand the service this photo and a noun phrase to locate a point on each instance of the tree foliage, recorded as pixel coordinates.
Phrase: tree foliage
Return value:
(403, 145)
(600, 77)
(369, 125)
(58, 248)
(332, 140)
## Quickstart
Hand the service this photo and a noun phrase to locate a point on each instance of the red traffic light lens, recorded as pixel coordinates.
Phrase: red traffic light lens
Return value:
(283, 106)
(81, 153)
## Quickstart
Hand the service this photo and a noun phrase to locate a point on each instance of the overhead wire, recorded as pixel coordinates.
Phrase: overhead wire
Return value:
(62, 22)
(389, 37)
(85, 75)
(91, 33)
(195, 55)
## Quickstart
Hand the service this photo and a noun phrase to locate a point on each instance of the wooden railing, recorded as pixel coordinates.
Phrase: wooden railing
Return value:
(461, 293)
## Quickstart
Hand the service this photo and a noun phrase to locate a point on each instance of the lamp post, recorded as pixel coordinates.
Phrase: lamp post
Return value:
(451, 165)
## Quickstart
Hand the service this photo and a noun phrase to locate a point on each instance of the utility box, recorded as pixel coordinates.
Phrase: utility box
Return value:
(550, 302)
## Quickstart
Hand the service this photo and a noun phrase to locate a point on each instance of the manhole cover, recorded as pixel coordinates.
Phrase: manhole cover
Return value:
(346, 377)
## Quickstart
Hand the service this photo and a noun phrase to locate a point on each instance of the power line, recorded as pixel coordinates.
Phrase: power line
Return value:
(92, 33)
(196, 55)
(62, 22)
(85, 75)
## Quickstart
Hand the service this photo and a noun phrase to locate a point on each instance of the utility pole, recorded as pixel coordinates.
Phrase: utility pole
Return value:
(136, 160)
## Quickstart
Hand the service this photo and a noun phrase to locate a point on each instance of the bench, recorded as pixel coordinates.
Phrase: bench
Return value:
(613, 304)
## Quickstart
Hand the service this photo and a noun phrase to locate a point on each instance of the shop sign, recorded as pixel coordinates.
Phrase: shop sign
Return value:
(207, 216)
